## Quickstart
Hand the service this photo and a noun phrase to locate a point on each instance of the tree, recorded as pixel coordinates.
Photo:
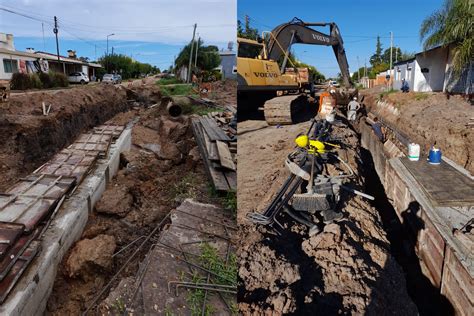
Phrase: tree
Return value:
(208, 56)
(248, 31)
(452, 24)
(124, 65)
(377, 58)
(396, 53)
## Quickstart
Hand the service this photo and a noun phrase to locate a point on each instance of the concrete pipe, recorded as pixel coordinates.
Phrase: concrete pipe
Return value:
(173, 109)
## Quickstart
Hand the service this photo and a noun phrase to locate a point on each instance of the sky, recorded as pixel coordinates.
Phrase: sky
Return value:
(151, 31)
(359, 21)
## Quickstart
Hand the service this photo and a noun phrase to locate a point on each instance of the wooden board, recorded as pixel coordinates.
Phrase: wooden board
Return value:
(213, 131)
(442, 183)
(225, 156)
(217, 177)
(211, 147)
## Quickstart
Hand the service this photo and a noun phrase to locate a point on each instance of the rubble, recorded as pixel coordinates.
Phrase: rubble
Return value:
(91, 254)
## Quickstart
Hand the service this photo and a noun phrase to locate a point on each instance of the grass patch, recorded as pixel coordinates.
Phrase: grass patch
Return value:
(186, 188)
(230, 201)
(225, 273)
(166, 81)
(182, 89)
(383, 94)
(202, 110)
(421, 96)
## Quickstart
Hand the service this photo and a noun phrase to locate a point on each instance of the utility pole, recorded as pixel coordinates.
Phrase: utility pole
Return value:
(55, 30)
(191, 55)
(358, 69)
(197, 48)
(391, 47)
(44, 43)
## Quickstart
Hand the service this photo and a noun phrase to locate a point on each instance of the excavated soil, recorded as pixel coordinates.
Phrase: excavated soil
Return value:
(162, 168)
(345, 269)
(30, 138)
(428, 118)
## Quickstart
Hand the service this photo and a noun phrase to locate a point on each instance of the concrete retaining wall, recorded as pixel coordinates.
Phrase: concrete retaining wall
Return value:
(445, 261)
(31, 293)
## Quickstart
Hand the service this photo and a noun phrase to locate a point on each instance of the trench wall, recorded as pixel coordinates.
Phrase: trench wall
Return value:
(444, 262)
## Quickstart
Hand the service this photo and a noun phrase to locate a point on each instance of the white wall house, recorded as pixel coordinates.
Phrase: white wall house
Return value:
(431, 71)
(13, 61)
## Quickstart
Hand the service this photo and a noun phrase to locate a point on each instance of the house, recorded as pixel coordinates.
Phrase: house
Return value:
(432, 70)
(12, 61)
(228, 65)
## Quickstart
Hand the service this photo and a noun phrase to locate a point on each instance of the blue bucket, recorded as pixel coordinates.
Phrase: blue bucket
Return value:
(434, 157)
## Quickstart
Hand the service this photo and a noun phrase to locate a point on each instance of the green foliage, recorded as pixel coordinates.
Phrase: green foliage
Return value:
(167, 81)
(452, 24)
(59, 79)
(230, 201)
(180, 89)
(126, 66)
(377, 58)
(225, 273)
(247, 31)
(211, 76)
(20, 81)
(207, 56)
(35, 81)
(46, 80)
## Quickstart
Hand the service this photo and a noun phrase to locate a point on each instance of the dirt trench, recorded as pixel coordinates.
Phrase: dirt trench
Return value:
(162, 168)
(30, 138)
(349, 268)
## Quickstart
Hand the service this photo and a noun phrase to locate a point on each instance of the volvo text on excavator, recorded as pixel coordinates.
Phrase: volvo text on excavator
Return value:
(281, 89)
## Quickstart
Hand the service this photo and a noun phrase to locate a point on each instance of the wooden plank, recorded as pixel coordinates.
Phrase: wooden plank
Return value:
(231, 177)
(211, 147)
(217, 177)
(225, 155)
(214, 131)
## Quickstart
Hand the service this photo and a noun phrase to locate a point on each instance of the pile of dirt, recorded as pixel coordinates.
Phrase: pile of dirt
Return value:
(157, 173)
(429, 118)
(345, 269)
(30, 138)
(224, 92)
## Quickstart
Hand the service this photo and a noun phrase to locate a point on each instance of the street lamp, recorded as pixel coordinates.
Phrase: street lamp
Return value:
(108, 42)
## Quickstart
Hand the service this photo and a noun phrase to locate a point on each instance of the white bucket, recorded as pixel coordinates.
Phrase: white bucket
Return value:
(413, 152)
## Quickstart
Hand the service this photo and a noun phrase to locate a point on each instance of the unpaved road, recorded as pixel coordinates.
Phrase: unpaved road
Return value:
(345, 269)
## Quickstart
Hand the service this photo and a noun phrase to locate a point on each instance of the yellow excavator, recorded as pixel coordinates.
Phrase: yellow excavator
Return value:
(261, 78)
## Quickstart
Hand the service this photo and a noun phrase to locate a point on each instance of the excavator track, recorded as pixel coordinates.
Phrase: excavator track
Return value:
(279, 110)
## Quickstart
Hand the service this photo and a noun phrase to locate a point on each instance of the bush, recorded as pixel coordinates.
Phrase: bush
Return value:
(35, 81)
(20, 81)
(45, 80)
(59, 79)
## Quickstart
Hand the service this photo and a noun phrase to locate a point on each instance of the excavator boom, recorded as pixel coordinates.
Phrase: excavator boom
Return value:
(297, 31)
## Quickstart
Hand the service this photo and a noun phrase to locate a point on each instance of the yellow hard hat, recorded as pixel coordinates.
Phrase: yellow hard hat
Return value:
(302, 141)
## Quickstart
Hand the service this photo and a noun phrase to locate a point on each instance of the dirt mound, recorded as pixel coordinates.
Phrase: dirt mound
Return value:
(91, 255)
(346, 269)
(116, 201)
(29, 138)
(428, 118)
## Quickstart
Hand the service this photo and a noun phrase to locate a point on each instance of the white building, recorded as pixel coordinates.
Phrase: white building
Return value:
(12, 61)
(432, 71)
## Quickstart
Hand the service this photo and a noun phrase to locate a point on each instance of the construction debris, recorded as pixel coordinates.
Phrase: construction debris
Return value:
(215, 135)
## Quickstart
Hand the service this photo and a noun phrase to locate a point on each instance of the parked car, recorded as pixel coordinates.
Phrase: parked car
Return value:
(111, 78)
(78, 77)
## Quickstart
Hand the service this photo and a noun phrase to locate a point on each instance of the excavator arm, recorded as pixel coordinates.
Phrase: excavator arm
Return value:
(297, 31)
